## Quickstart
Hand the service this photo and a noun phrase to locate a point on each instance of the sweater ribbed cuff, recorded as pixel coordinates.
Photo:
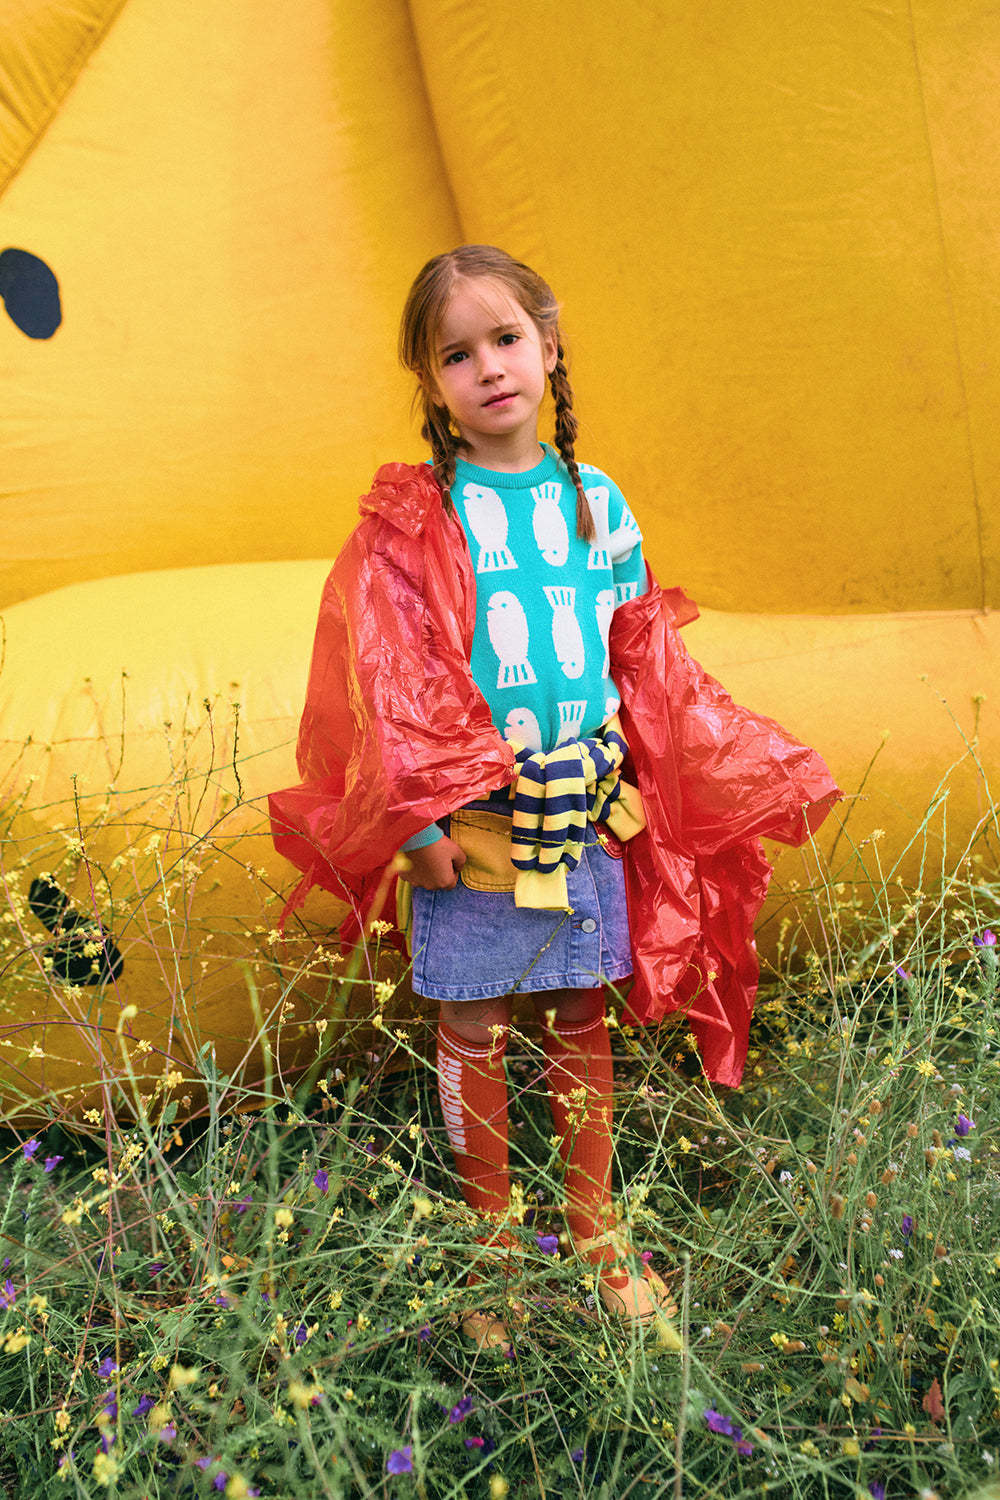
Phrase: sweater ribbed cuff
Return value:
(423, 838)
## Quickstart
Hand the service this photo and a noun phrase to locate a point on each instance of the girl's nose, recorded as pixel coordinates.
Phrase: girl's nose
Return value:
(490, 364)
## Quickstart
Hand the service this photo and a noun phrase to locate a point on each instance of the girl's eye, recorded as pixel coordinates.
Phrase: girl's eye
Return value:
(454, 358)
(509, 338)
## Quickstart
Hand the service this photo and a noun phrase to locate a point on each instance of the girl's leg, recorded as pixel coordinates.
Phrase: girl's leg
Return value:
(579, 1076)
(472, 1039)
(581, 1092)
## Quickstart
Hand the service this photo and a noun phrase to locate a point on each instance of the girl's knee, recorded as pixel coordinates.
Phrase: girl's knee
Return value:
(476, 1021)
(573, 1007)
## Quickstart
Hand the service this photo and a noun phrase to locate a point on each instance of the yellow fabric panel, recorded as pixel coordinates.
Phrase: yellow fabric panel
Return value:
(775, 231)
(161, 707)
(132, 788)
(44, 47)
(234, 201)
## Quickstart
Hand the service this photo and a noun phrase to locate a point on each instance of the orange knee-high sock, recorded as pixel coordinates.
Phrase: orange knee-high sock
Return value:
(472, 1087)
(580, 1083)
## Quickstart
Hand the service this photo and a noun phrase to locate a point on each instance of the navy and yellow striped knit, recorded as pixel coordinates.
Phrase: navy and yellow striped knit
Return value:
(555, 796)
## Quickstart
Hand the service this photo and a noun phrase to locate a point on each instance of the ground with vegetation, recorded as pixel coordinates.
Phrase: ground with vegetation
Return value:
(264, 1299)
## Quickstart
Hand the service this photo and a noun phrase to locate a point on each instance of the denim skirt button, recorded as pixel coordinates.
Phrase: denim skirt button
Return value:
(588, 925)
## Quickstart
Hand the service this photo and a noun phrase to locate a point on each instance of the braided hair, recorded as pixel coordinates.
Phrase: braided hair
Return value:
(422, 315)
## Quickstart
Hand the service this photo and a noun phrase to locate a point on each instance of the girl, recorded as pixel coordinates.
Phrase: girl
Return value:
(491, 651)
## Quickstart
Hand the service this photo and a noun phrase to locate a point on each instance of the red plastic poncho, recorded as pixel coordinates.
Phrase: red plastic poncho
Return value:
(395, 734)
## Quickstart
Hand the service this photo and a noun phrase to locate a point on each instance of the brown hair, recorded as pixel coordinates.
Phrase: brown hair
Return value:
(422, 315)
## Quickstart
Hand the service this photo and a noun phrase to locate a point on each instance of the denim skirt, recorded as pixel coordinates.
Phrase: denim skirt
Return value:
(476, 945)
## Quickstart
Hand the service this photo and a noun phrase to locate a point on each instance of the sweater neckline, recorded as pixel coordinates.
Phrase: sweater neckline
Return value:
(502, 479)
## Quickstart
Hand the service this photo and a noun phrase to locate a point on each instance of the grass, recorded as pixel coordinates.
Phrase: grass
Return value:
(259, 1293)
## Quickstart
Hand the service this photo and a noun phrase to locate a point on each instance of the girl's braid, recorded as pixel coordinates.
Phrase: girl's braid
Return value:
(565, 435)
(444, 446)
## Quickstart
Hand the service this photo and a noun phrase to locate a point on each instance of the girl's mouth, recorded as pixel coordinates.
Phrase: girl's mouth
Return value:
(499, 398)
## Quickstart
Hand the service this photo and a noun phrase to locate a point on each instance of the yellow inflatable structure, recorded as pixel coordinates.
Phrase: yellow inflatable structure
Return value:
(776, 237)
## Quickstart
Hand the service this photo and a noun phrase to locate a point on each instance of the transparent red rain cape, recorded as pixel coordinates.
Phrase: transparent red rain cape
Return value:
(395, 734)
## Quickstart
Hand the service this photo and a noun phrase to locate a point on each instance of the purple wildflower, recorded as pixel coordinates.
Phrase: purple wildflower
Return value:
(110, 1404)
(425, 1333)
(9, 1294)
(986, 939)
(51, 1162)
(221, 1480)
(29, 1148)
(473, 1442)
(577, 1455)
(877, 1490)
(718, 1423)
(963, 1125)
(154, 1268)
(168, 1433)
(907, 1226)
(400, 1461)
(106, 1367)
(146, 1404)
(901, 972)
(322, 1180)
(461, 1411)
(301, 1334)
(548, 1244)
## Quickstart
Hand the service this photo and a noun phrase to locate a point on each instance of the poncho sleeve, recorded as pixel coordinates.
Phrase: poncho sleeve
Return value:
(394, 732)
(714, 776)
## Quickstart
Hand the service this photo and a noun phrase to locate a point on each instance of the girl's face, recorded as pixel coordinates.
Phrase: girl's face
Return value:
(491, 372)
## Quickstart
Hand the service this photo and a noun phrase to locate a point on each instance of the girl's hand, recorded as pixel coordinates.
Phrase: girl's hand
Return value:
(433, 868)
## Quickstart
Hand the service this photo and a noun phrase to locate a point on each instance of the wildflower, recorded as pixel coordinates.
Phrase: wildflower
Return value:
(284, 1218)
(301, 1334)
(8, 1296)
(425, 1333)
(877, 1490)
(986, 939)
(896, 1254)
(400, 1461)
(548, 1244)
(926, 1068)
(106, 1367)
(29, 1148)
(907, 1226)
(963, 1125)
(461, 1411)
(718, 1423)
(322, 1180)
(146, 1404)
(474, 1442)
(961, 1153)
(51, 1162)
(577, 1455)
(221, 1480)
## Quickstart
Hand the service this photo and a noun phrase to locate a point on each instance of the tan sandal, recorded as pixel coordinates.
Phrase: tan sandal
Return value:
(644, 1298)
(482, 1326)
(487, 1330)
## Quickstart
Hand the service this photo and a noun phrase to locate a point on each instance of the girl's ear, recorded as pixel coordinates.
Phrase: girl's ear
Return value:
(550, 344)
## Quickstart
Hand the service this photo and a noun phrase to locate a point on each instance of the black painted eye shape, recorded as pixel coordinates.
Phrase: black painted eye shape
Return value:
(84, 951)
(30, 292)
